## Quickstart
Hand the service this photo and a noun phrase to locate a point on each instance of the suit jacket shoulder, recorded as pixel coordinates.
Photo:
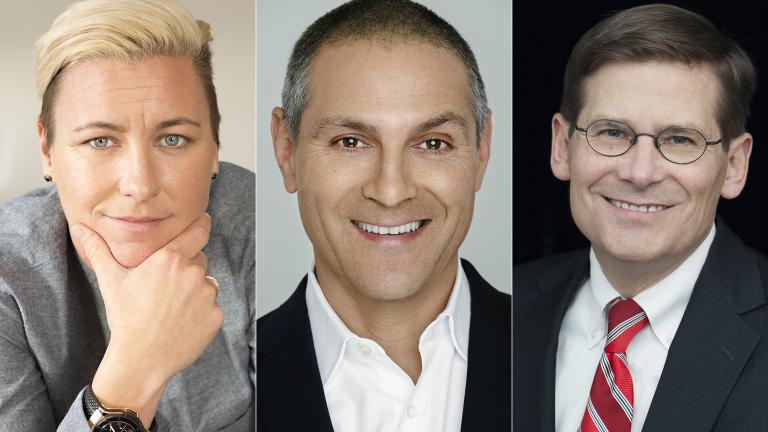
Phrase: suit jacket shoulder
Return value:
(542, 291)
(488, 391)
(716, 373)
(536, 278)
(288, 375)
(715, 377)
(289, 392)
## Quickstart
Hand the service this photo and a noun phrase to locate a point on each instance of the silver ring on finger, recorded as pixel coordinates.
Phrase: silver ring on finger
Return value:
(213, 282)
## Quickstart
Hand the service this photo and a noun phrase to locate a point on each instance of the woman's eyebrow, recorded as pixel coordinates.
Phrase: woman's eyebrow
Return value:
(100, 125)
(119, 128)
(177, 122)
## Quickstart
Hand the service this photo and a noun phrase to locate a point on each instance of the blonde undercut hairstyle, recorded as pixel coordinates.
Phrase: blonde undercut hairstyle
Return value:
(122, 30)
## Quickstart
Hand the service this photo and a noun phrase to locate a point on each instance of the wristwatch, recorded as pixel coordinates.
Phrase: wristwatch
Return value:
(103, 419)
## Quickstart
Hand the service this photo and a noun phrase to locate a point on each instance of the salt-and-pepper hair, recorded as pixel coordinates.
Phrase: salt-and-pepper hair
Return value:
(386, 21)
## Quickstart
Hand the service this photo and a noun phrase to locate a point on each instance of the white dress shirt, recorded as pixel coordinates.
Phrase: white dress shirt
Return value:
(367, 391)
(582, 337)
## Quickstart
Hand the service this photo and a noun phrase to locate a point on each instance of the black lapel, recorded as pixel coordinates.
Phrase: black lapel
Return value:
(713, 342)
(488, 392)
(289, 391)
(537, 327)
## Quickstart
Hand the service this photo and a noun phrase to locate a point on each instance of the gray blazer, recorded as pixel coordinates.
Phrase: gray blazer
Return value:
(53, 330)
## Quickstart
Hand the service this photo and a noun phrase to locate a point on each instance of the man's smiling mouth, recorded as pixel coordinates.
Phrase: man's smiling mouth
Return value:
(642, 208)
(391, 230)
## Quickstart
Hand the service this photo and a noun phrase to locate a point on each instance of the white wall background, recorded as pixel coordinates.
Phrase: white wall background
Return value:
(23, 21)
(284, 253)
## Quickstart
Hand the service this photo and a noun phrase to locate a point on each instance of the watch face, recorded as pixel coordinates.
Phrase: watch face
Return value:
(116, 426)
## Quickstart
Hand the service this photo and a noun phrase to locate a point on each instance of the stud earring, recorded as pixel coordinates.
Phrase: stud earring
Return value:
(47, 178)
(214, 175)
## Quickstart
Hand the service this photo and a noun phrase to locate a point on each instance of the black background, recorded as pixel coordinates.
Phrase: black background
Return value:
(543, 35)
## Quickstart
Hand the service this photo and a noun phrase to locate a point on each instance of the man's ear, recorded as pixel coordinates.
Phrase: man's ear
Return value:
(737, 166)
(284, 149)
(46, 161)
(484, 150)
(559, 157)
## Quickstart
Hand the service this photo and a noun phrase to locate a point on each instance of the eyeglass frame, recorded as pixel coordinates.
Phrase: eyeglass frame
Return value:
(656, 142)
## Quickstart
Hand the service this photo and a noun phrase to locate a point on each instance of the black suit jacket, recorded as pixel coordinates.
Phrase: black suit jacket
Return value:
(290, 394)
(716, 373)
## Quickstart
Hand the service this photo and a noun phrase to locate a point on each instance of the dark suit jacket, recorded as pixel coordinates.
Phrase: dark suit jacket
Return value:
(716, 373)
(290, 394)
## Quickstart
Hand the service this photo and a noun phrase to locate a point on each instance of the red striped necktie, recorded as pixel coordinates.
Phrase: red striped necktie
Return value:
(611, 398)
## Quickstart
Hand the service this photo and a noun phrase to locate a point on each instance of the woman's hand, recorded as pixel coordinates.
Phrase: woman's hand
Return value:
(162, 314)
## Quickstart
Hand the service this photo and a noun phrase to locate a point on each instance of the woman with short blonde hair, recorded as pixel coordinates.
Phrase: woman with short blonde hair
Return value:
(126, 286)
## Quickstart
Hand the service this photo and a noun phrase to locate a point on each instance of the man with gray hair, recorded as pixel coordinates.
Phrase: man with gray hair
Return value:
(384, 134)
(660, 324)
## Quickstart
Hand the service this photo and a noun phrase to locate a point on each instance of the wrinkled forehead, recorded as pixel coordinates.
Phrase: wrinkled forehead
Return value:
(370, 74)
(102, 87)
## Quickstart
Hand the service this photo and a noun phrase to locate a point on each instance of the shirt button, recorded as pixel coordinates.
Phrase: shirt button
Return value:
(365, 349)
(412, 411)
(595, 333)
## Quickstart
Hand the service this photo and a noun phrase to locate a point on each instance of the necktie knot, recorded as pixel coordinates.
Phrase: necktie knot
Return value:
(625, 319)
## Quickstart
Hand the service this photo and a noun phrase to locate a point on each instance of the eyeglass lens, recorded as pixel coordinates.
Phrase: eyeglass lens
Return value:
(613, 138)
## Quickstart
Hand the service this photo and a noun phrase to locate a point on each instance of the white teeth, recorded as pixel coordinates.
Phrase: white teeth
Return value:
(637, 208)
(400, 229)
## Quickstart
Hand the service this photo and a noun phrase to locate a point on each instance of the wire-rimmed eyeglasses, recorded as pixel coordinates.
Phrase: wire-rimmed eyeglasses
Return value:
(676, 144)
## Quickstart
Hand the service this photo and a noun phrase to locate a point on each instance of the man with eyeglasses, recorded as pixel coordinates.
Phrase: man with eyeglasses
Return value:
(662, 324)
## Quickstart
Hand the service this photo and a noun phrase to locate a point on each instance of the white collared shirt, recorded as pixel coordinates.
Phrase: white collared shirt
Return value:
(367, 391)
(582, 337)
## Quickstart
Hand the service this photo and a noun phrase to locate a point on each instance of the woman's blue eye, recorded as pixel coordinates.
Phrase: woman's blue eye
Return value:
(100, 142)
(172, 140)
